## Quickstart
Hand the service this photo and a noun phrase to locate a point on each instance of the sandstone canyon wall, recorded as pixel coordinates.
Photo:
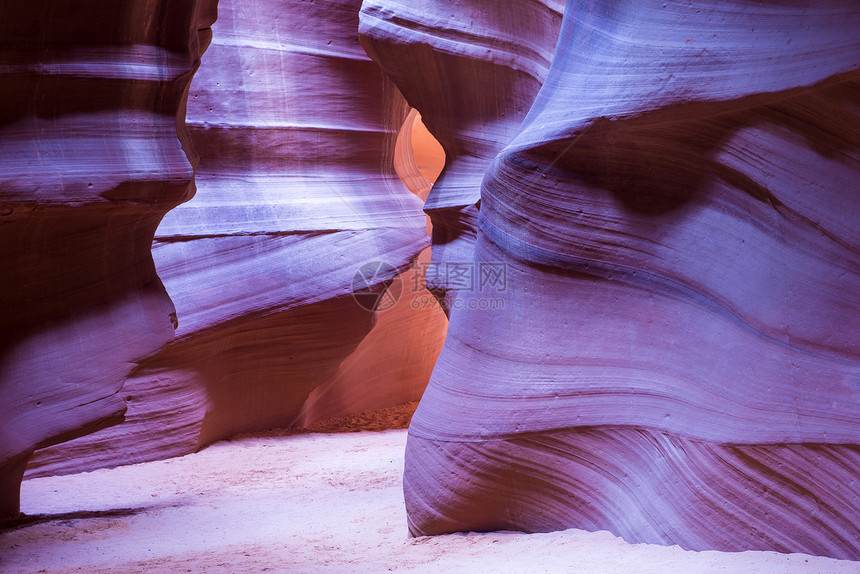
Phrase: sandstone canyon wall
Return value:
(677, 356)
(93, 152)
(472, 69)
(667, 192)
(296, 189)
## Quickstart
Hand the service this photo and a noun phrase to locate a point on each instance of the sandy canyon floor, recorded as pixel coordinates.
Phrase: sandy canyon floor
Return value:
(276, 502)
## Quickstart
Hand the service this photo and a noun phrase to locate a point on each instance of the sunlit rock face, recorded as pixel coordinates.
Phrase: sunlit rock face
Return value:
(296, 129)
(677, 356)
(472, 68)
(419, 158)
(93, 152)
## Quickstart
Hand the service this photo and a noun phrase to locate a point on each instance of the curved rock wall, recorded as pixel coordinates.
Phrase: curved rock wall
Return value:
(93, 153)
(472, 69)
(674, 356)
(295, 128)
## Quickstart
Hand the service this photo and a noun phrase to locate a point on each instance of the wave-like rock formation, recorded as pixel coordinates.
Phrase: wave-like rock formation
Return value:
(296, 189)
(93, 152)
(675, 357)
(472, 68)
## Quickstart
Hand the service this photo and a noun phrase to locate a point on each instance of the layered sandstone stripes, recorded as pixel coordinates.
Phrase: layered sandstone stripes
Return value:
(93, 152)
(677, 357)
(472, 69)
(296, 129)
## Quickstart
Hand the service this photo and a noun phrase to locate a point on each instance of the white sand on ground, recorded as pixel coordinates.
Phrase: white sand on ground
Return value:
(306, 503)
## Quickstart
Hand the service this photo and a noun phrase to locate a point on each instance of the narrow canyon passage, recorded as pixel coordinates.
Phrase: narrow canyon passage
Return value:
(612, 246)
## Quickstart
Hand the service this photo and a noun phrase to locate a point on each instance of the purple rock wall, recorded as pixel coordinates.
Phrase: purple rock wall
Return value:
(296, 131)
(675, 358)
(93, 152)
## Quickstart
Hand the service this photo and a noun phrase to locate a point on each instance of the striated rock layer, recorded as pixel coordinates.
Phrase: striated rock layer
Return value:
(676, 356)
(296, 130)
(472, 69)
(93, 152)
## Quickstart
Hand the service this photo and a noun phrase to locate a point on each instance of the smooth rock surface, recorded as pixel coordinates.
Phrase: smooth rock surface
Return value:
(472, 69)
(93, 152)
(676, 355)
(296, 129)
